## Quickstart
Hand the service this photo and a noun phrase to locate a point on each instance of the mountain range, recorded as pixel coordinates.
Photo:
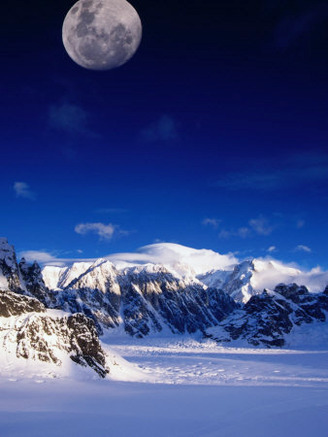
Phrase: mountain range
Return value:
(45, 313)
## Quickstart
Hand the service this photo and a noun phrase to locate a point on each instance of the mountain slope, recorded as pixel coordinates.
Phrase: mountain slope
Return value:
(145, 299)
(29, 331)
(251, 277)
(268, 318)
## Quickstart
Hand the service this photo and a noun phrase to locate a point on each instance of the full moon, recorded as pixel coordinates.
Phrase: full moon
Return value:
(101, 34)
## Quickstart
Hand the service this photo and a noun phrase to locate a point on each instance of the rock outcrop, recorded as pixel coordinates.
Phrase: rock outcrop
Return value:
(268, 318)
(29, 330)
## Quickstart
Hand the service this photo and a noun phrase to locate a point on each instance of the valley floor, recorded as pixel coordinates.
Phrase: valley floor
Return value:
(177, 388)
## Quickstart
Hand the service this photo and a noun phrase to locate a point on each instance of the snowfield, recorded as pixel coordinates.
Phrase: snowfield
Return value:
(173, 387)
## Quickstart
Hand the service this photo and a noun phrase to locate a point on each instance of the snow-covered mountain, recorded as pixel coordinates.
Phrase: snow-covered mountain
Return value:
(240, 280)
(29, 331)
(268, 318)
(144, 299)
(179, 294)
(250, 277)
(189, 291)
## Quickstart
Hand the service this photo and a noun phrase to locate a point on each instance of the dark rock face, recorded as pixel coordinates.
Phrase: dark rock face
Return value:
(84, 343)
(22, 278)
(9, 267)
(39, 336)
(93, 303)
(34, 284)
(12, 304)
(145, 300)
(267, 318)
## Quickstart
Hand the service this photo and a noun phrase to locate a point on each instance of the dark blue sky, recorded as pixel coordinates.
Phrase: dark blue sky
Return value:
(214, 135)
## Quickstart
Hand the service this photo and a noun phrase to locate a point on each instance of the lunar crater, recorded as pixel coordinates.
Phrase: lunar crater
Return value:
(87, 17)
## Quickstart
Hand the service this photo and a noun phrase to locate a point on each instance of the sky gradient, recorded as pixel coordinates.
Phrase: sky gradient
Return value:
(214, 135)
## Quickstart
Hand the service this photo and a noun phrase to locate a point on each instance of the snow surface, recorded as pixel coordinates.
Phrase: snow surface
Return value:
(175, 387)
(3, 282)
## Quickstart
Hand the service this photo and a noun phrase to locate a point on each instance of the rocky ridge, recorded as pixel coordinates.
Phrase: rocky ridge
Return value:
(267, 319)
(31, 331)
(146, 299)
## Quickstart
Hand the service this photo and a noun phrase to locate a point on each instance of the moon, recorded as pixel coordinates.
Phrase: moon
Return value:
(101, 34)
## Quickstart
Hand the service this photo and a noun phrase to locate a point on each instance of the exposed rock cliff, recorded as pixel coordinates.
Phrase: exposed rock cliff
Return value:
(268, 318)
(32, 332)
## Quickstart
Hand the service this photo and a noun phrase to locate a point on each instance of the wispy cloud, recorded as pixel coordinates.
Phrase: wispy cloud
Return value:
(257, 226)
(44, 257)
(303, 248)
(299, 170)
(176, 256)
(104, 231)
(164, 129)
(23, 190)
(272, 249)
(261, 226)
(69, 118)
(300, 224)
(39, 256)
(213, 222)
(242, 232)
(169, 254)
(294, 26)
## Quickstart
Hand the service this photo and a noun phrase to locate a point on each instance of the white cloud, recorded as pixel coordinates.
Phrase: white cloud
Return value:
(261, 226)
(242, 232)
(183, 260)
(295, 171)
(272, 249)
(211, 222)
(68, 117)
(180, 258)
(37, 255)
(303, 248)
(164, 129)
(104, 231)
(270, 272)
(23, 190)
(46, 258)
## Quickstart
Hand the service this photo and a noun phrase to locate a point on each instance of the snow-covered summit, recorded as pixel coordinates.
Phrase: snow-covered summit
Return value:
(239, 279)
(185, 261)
(252, 276)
